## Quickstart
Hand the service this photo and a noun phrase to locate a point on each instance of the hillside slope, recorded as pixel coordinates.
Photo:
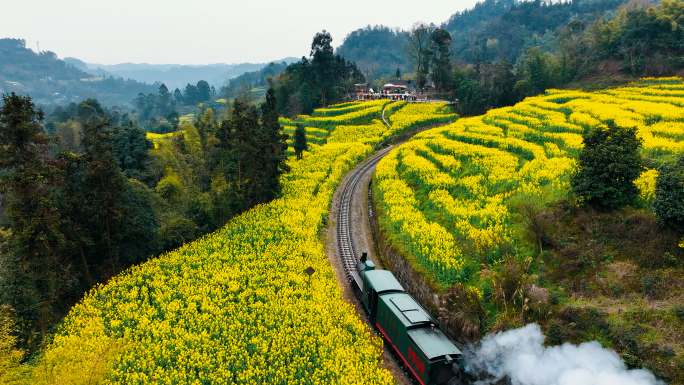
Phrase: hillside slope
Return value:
(492, 30)
(178, 76)
(481, 209)
(236, 306)
(48, 79)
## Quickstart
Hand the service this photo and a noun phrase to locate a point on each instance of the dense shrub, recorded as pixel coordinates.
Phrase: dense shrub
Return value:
(608, 166)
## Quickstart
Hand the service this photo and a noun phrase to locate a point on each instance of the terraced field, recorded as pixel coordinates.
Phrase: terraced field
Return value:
(447, 195)
(461, 203)
(236, 306)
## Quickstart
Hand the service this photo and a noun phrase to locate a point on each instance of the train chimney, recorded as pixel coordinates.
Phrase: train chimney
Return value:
(364, 257)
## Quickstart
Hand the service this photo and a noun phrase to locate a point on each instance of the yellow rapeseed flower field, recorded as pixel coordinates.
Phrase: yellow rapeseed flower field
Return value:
(447, 197)
(236, 306)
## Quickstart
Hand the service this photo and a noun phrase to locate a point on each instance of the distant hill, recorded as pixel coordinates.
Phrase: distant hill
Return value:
(49, 80)
(176, 75)
(377, 50)
(495, 29)
(492, 30)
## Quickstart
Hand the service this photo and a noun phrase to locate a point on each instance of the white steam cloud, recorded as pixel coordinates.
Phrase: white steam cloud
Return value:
(520, 356)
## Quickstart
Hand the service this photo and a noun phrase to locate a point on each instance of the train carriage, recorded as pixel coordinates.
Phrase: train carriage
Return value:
(411, 331)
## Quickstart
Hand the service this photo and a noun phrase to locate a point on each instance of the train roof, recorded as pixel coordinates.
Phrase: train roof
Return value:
(433, 343)
(383, 281)
(408, 311)
(418, 323)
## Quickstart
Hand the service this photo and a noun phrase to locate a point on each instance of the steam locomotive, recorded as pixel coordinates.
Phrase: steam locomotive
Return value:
(412, 332)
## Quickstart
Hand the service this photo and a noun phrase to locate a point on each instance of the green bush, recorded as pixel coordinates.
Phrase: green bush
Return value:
(668, 203)
(608, 166)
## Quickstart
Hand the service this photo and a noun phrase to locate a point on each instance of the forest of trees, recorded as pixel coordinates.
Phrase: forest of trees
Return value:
(491, 30)
(94, 196)
(324, 79)
(239, 85)
(378, 50)
(504, 50)
(164, 105)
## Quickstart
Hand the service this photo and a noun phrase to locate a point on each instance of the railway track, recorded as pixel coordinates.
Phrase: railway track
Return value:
(347, 247)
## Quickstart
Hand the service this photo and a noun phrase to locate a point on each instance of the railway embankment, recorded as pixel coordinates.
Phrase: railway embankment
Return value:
(412, 279)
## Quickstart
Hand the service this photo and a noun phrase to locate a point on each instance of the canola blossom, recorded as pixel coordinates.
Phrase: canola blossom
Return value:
(236, 307)
(447, 198)
(356, 115)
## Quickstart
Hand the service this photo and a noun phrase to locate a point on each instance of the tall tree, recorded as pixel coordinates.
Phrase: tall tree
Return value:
(536, 72)
(164, 100)
(416, 47)
(323, 62)
(27, 179)
(105, 184)
(239, 139)
(300, 144)
(668, 204)
(275, 145)
(440, 40)
(72, 199)
(203, 91)
(118, 213)
(131, 146)
(178, 96)
(305, 98)
(191, 95)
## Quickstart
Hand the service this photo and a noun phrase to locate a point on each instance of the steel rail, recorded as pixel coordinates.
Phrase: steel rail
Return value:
(346, 244)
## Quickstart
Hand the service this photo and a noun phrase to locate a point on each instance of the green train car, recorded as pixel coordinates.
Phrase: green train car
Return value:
(412, 332)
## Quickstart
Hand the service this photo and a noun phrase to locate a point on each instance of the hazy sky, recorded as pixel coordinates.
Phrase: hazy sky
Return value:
(202, 31)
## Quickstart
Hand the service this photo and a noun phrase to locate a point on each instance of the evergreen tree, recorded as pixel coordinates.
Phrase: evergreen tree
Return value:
(668, 204)
(111, 220)
(178, 96)
(274, 148)
(440, 40)
(131, 146)
(203, 91)
(502, 84)
(191, 96)
(72, 199)
(105, 184)
(305, 95)
(323, 62)
(239, 137)
(173, 118)
(27, 178)
(300, 144)
(607, 167)
(163, 101)
(536, 72)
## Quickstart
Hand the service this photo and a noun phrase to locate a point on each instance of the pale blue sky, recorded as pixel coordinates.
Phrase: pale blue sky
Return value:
(201, 31)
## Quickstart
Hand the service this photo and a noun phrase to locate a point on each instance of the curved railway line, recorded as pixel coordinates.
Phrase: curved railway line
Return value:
(352, 236)
(346, 242)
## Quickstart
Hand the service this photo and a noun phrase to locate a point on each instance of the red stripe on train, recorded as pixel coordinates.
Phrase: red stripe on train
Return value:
(400, 355)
